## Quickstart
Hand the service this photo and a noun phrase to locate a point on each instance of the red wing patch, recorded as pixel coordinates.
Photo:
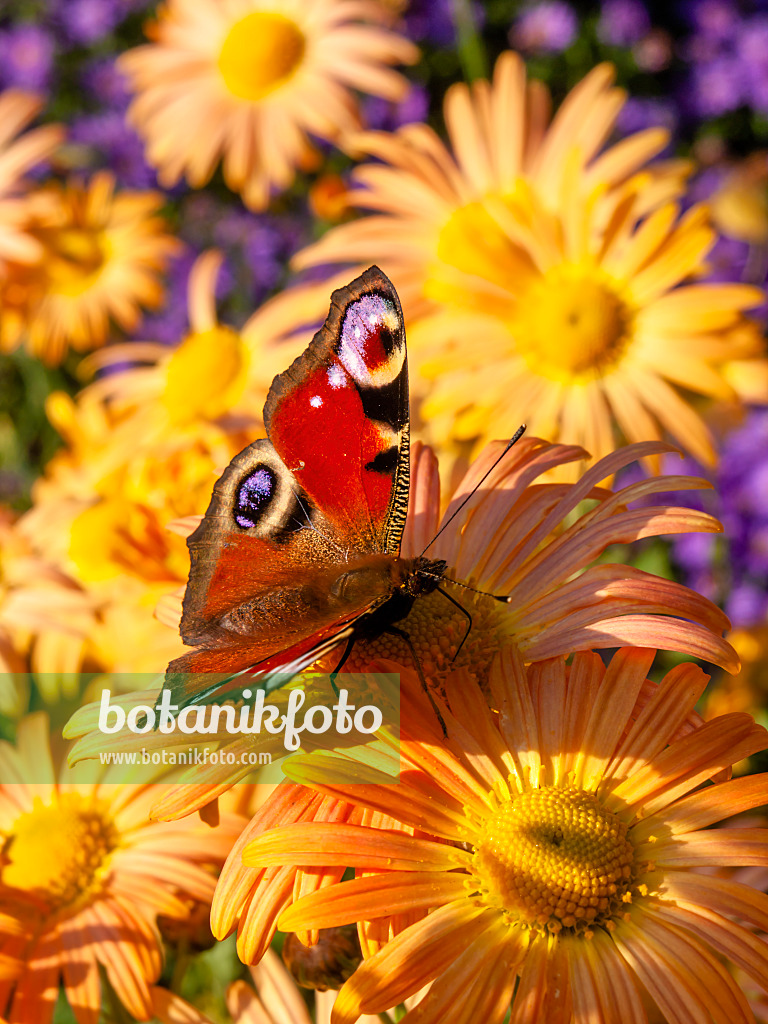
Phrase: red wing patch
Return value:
(338, 417)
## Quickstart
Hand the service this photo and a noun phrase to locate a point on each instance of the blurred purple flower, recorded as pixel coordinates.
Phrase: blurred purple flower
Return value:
(734, 568)
(26, 57)
(118, 144)
(547, 27)
(431, 21)
(85, 22)
(714, 19)
(103, 82)
(718, 86)
(258, 246)
(638, 113)
(623, 22)
(727, 260)
(384, 115)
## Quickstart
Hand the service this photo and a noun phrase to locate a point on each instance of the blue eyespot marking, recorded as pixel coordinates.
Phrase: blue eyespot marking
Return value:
(253, 496)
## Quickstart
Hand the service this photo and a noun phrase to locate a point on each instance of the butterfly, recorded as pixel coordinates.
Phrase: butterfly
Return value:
(299, 551)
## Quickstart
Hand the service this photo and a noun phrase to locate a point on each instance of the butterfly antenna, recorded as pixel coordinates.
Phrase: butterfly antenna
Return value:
(513, 440)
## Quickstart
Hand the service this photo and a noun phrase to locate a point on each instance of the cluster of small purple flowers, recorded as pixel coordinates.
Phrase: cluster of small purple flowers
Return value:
(732, 568)
(727, 52)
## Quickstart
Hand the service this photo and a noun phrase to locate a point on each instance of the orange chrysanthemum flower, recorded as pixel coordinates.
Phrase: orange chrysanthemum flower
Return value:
(535, 542)
(83, 878)
(568, 260)
(102, 253)
(553, 842)
(247, 80)
(17, 156)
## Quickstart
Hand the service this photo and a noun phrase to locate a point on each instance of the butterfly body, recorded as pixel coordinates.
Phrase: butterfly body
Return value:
(299, 551)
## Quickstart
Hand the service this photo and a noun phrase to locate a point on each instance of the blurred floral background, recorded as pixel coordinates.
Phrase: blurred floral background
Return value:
(571, 200)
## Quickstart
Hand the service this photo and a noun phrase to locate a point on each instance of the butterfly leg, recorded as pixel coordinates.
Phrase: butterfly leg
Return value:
(347, 651)
(405, 637)
(464, 611)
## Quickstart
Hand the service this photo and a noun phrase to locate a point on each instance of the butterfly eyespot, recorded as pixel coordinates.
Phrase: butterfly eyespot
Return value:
(253, 496)
(372, 344)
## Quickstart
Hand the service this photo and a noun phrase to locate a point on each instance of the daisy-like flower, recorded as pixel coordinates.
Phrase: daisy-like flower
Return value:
(102, 256)
(535, 542)
(544, 854)
(17, 156)
(83, 877)
(214, 372)
(45, 617)
(568, 260)
(247, 80)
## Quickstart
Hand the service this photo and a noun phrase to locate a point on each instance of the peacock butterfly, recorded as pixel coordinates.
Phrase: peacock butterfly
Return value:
(299, 551)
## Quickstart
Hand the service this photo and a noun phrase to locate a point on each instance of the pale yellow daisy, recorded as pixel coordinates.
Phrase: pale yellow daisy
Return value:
(17, 155)
(248, 80)
(546, 279)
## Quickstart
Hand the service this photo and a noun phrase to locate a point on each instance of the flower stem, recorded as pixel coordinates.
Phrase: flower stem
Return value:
(468, 42)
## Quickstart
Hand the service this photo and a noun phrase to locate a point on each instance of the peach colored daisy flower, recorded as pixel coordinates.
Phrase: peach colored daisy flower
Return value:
(552, 843)
(570, 261)
(17, 156)
(83, 877)
(103, 253)
(214, 373)
(248, 80)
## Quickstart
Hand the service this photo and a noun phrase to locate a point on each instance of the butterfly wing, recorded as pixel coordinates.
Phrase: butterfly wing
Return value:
(338, 416)
(297, 542)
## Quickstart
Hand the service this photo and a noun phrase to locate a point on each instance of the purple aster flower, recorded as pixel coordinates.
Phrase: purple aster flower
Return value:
(714, 19)
(103, 81)
(718, 86)
(386, 116)
(431, 21)
(728, 260)
(548, 27)
(739, 559)
(638, 114)
(623, 22)
(747, 605)
(85, 22)
(26, 57)
(118, 144)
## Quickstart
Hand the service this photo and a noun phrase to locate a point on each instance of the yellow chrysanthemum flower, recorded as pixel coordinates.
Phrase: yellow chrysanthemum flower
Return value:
(17, 156)
(545, 279)
(213, 373)
(248, 80)
(143, 445)
(102, 255)
(83, 877)
(540, 859)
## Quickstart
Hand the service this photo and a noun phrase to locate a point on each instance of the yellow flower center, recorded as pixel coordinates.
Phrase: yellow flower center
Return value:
(205, 375)
(260, 52)
(569, 323)
(554, 858)
(59, 852)
(74, 256)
